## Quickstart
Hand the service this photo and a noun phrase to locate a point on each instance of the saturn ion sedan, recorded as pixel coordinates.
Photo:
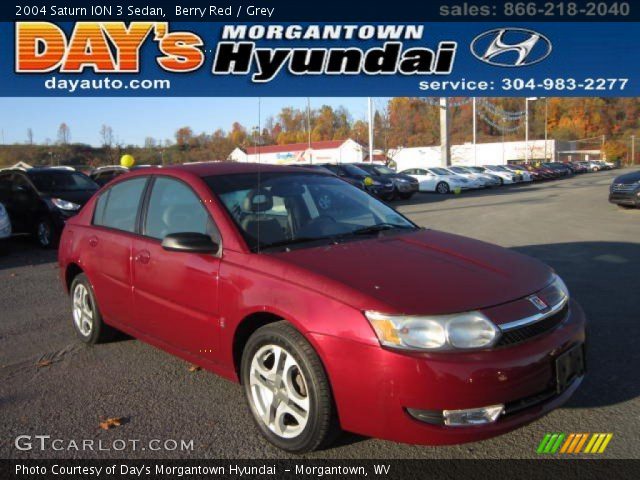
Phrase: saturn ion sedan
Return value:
(334, 311)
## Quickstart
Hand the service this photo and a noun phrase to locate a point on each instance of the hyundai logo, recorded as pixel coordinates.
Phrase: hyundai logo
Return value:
(511, 47)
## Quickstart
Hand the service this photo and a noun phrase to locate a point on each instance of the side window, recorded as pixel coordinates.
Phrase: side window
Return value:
(118, 207)
(175, 208)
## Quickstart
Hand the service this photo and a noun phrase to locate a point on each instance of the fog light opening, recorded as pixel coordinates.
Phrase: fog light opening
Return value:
(472, 416)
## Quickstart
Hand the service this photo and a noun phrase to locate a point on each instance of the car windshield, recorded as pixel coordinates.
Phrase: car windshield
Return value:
(61, 181)
(458, 170)
(441, 171)
(476, 169)
(353, 170)
(382, 170)
(285, 209)
(497, 168)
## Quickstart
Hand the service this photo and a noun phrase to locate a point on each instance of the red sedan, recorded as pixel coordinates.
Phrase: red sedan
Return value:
(332, 309)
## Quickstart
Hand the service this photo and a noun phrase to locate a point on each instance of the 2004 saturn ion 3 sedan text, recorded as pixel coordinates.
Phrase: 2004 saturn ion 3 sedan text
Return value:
(332, 309)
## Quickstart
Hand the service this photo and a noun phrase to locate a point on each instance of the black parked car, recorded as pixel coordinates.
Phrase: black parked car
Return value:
(625, 190)
(103, 175)
(376, 185)
(321, 168)
(562, 168)
(40, 200)
(404, 185)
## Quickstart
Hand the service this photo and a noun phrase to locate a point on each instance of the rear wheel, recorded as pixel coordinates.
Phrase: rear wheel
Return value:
(287, 389)
(87, 321)
(443, 188)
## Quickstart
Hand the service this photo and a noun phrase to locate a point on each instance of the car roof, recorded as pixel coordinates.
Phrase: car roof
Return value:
(207, 169)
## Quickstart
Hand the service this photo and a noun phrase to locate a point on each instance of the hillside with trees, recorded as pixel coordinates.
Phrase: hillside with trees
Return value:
(399, 122)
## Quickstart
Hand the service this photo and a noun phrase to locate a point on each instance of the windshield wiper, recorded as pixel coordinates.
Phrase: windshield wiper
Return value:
(293, 241)
(380, 227)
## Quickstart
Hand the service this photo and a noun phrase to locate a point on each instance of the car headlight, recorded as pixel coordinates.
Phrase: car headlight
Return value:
(560, 290)
(64, 204)
(460, 331)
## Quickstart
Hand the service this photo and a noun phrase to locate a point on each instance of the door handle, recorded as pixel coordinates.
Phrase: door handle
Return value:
(93, 241)
(143, 257)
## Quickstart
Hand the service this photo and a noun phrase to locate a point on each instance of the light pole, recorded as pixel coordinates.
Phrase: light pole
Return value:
(475, 147)
(526, 127)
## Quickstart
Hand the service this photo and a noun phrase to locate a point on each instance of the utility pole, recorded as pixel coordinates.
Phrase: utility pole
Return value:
(370, 105)
(475, 146)
(633, 149)
(445, 133)
(526, 127)
(546, 128)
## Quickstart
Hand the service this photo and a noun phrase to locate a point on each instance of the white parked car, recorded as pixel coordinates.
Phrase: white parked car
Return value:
(506, 176)
(438, 180)
(483, 181)
(5, 223)
(492, 177)
(526, 176)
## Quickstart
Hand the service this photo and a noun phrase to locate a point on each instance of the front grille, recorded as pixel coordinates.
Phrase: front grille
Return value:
(622, 187)
(526, 332)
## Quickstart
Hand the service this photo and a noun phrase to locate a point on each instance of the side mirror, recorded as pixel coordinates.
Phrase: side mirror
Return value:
(189, 243)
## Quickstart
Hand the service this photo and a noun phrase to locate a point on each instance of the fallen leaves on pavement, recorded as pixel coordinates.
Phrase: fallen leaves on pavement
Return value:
(43, 363)
(110, 423)
(194, 368)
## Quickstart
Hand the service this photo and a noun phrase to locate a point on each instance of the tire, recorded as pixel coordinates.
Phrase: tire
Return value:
(501, 181)
(46, 234)
(302, 383)
(87, 321)
(443, 188)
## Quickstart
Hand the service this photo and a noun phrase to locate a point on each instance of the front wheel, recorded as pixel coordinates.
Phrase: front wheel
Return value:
(287, 389)
(46, 234)
(443, 188)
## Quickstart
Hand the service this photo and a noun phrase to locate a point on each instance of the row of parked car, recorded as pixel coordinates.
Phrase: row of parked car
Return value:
(40, 200)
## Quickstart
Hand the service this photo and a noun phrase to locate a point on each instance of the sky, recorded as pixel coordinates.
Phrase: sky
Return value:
(134, 119)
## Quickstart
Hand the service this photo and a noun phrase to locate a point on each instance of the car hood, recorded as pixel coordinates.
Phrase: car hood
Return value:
(628, 178)
(79, 196)
(420, 272)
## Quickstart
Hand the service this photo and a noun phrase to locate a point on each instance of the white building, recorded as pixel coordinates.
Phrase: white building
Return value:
(329, 151)
(497, 153)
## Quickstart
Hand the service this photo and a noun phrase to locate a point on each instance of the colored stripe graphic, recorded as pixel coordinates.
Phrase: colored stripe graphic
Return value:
(573, 443)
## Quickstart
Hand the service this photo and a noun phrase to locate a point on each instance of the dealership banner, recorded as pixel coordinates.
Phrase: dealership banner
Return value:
(109, 54)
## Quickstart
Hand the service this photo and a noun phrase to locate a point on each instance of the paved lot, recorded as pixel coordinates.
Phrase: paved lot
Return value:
(569, 224)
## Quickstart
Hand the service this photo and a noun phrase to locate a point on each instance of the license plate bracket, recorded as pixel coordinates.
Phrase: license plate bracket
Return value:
(569, 366)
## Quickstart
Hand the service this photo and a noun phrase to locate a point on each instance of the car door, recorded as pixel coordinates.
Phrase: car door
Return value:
(427, 180)
(176, 293)
(108, 244)
(24, 204)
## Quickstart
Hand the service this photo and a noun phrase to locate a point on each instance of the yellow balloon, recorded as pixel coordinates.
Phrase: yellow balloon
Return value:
(368, 181)
(127, 161)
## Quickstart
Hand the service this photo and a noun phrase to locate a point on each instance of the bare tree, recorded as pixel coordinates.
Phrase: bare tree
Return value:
(29, 136)
(106, 133)
(64, 134)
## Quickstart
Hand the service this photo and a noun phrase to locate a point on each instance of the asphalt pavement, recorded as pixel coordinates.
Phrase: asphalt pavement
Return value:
(50, 384)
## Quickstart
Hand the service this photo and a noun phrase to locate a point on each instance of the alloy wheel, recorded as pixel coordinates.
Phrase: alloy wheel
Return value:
(82, 310)
(44, 234)
(279, 393)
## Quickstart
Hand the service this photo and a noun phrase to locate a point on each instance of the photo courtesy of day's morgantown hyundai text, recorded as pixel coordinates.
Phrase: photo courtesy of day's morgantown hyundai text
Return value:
(333, 310)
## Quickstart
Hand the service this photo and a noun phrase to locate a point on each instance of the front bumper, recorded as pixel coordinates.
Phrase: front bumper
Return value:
(407, 187)
(380, 190)
(373, 386)
(631, 198)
